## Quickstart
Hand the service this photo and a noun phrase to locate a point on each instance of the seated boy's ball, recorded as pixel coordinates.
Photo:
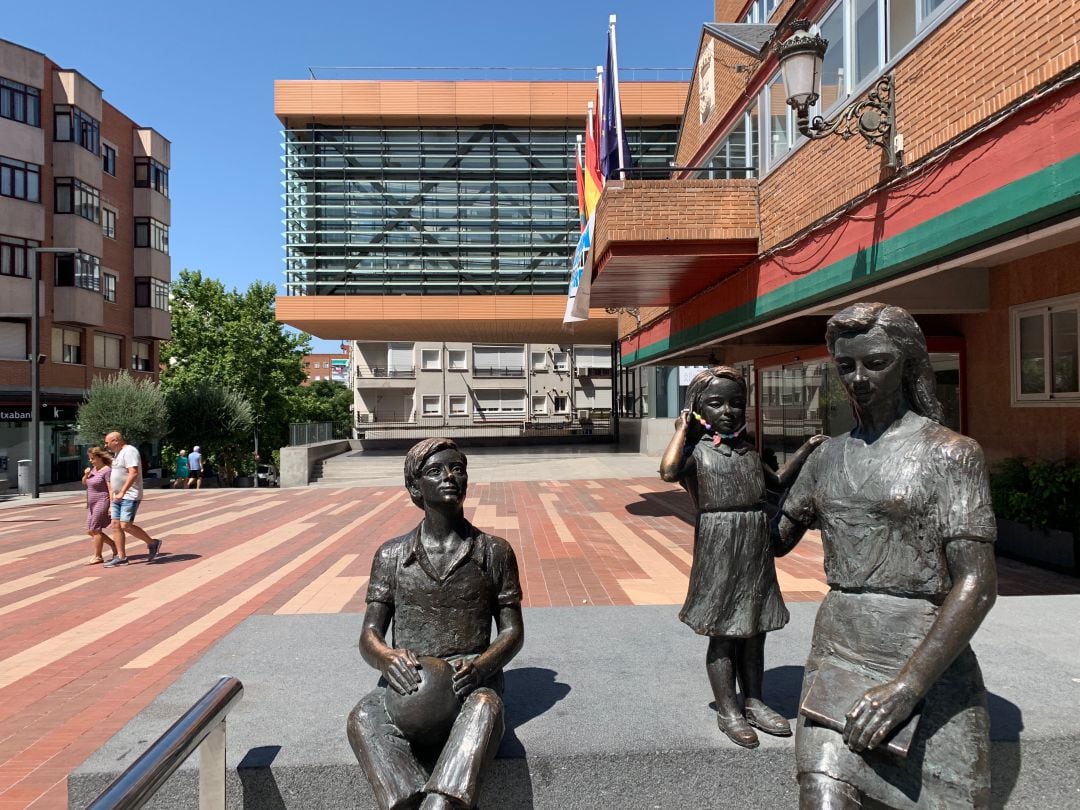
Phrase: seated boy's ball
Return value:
(426, 716)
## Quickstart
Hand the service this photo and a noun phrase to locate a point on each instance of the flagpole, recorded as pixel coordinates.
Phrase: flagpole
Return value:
(580, 172)
(618, 103)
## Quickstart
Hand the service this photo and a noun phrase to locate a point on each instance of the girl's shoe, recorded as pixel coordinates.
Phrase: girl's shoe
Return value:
(737, 730)
(761, 716)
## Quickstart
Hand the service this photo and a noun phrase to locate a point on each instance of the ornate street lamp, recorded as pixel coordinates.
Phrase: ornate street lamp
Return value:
(874, 117)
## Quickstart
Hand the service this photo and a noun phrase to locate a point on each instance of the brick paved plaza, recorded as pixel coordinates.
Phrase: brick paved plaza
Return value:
(83, 649)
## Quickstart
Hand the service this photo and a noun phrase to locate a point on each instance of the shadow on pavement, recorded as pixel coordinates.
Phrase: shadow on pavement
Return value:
(674, 503)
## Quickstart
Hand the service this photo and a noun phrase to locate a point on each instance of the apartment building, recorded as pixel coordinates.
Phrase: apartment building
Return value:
(327, 367)
(972, 223)
(432, 224)
(76, 173)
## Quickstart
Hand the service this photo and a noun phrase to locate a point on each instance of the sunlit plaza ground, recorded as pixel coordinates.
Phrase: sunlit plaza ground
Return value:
(83, 649)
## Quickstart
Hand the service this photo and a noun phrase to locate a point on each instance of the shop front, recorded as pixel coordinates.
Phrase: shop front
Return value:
(62, 457)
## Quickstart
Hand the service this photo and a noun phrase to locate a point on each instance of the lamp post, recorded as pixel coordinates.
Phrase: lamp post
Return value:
(35, 362)
(873, 117)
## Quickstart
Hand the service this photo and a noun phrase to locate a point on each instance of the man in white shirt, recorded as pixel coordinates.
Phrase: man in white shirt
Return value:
(127, 489)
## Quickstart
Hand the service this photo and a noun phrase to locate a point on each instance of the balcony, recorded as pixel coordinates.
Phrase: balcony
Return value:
(384, 373)
(659, 242)
(78, 305)
(152, 323)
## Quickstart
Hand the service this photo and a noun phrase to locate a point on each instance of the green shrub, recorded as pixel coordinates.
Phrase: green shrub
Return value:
(1043, 494)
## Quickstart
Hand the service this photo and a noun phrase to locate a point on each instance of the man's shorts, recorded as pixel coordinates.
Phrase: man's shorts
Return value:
(125, 510)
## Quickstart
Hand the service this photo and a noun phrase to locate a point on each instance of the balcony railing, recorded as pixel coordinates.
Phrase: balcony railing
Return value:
(382, 372)
(707, 172)
(499, 371)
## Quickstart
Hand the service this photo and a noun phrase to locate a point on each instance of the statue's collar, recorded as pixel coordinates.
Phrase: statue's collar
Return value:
(470, 548)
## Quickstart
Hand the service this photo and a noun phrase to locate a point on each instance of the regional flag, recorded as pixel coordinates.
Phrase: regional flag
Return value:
(577, 301)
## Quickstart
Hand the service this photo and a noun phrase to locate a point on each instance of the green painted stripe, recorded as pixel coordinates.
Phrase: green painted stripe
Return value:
(1025, 202)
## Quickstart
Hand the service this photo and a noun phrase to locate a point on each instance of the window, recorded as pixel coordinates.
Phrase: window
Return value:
(107, 351)
(140, 356)
(151, 292)
(430, 405)
(108, 222)
(459, 405)
(20, 102)
(151, 174)
(1046, 351)
(833, 67)
(498, 361)
(15, 255)
(562, 404)
(66, 345)
(539, 405)
(72, 124)
(457, 360)
(13, 340)
(108, 287)
(78, 270)
(539, 361)
(429, 359)
(592, 358)
(73, 196)
(561, 361)
(777, 120)
(400, 360)
(500, 402)
(149, 233)
(736, 156)
(108, 158)
(20, 179)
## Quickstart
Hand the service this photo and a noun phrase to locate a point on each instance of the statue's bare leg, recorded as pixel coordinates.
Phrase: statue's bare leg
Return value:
(820, 792)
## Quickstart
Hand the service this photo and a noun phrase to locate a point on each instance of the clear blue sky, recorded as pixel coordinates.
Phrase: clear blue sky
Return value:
(202, 73)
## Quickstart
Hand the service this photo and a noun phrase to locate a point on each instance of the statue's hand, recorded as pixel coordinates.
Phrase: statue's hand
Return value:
(466, 677)
(878, 712)
(400, 670)
(814, 441)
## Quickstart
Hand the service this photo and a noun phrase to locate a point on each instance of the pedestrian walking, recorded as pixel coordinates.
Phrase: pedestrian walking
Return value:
(181, 471)
(96, 480)
(195, 468)
(127, 492)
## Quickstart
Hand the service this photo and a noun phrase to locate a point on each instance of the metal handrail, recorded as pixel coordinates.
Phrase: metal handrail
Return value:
(202, 723)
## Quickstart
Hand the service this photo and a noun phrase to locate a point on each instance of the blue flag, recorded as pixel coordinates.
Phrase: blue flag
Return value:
(610, 145)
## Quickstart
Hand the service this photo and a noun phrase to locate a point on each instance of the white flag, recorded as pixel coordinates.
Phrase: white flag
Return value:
(577, 301)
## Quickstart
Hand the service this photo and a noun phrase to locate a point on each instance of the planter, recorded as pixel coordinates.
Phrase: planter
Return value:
(1053, 549)
(243, 481)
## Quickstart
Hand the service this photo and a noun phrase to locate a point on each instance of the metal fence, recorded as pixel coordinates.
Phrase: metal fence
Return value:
(310, 432)
(465, 426)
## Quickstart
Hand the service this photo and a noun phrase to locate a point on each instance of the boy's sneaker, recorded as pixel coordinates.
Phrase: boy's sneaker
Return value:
(152, 550)
(115, 561)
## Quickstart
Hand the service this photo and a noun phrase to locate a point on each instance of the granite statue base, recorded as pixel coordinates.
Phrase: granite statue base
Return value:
(606, 708)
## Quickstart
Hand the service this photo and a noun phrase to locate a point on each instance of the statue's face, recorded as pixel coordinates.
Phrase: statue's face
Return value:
(723, 405)
(870, 366)
(443, 479)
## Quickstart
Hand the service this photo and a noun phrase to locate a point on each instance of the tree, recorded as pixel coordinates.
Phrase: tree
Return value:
(232, 339)
(214, 416)
(134, 407)
(323, 401)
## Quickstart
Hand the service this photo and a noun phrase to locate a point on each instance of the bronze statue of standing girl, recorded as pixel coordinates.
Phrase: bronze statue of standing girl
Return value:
(733, 596)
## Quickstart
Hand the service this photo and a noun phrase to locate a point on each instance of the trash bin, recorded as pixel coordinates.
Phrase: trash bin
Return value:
(26, 479)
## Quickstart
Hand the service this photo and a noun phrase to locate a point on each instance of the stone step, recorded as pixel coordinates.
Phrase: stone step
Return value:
(606, 708)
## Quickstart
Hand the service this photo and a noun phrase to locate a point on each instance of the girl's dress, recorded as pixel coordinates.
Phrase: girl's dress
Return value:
(733, 590)
(884, 540)
(98, 499)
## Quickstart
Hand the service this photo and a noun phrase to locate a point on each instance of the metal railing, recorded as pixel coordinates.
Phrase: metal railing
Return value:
(310, 432)
(498, 371)
(474, 425)
(382, 372)
(715, 172)
(201, 727)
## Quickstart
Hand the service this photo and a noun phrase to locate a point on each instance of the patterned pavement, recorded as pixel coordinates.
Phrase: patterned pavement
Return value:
(84, 649)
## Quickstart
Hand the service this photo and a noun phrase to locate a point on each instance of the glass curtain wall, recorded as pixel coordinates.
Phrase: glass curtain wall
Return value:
(437, 211)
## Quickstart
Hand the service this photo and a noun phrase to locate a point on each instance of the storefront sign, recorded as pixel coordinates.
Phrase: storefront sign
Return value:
(20, 412)
(687, 373)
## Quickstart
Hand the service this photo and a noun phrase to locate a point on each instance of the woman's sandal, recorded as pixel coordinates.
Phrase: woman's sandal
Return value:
(738, 730)
(95, 561)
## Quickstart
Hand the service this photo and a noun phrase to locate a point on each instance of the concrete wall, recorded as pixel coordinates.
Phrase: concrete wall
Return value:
(298, 463)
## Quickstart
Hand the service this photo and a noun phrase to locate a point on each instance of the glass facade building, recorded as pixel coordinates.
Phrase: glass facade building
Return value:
(437, 210)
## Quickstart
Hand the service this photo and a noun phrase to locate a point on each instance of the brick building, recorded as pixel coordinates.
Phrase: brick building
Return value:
(329, 367)
(743, 256)
(74, 172)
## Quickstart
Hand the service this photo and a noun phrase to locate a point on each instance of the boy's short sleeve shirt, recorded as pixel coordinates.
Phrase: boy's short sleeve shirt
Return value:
(449, 616)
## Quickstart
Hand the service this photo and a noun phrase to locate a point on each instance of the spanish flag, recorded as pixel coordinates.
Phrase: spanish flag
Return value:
(594, 181)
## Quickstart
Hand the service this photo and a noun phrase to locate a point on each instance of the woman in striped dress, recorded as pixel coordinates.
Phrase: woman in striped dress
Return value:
(98, 499)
